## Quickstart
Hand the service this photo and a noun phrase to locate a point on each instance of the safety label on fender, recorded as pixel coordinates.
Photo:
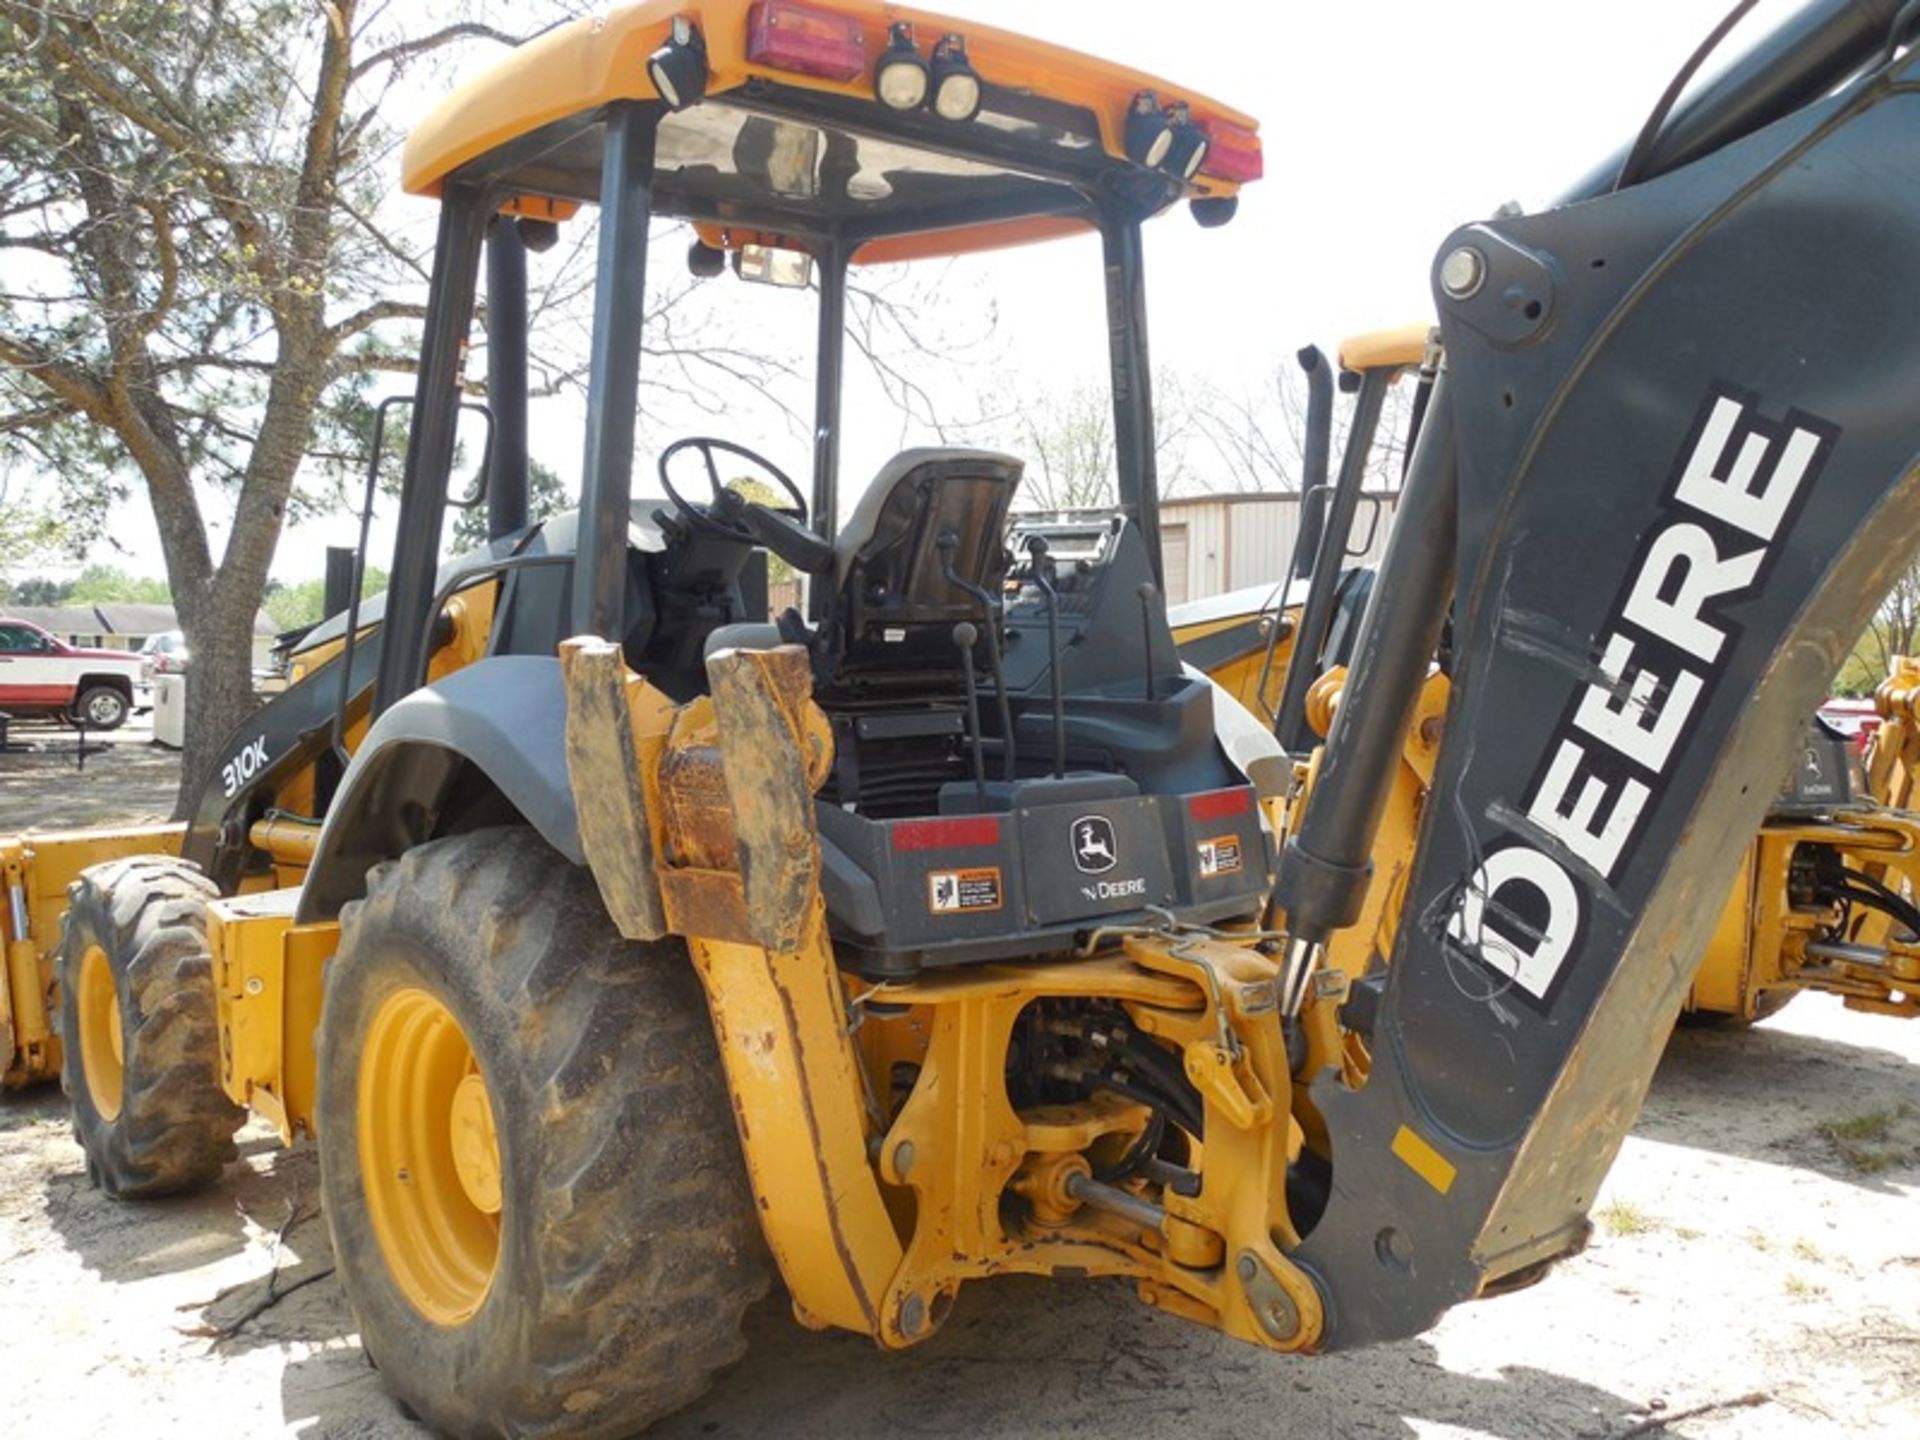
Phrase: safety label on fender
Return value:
(961, 892)
(1220, 857)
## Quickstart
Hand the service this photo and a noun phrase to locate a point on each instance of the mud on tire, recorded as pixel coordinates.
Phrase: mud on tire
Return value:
(169, 1128)
(629, 1246)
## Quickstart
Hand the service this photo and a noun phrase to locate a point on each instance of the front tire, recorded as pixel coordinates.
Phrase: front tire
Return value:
(140, 1029)
(528, 1159)
(102, 707)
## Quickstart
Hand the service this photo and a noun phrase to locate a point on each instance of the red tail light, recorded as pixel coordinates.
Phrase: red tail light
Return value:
(911, 835)
(785, 36)
(1218, 804)
(1233, 153)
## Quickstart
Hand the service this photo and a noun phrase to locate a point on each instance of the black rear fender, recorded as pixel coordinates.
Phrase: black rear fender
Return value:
(485, 746)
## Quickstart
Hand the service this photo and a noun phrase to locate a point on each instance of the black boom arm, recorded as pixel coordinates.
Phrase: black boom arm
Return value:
(1681, 442)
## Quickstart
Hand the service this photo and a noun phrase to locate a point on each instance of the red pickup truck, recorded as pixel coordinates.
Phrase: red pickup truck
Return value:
(41, 675)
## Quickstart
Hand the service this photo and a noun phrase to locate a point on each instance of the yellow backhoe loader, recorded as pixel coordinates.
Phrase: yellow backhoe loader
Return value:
(615, 943)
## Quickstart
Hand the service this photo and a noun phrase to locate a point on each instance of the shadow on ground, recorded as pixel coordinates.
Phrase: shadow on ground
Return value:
(1026, 1357)
(130, 781)
(185, 1232)
(24, 1109)
(1775, 1071)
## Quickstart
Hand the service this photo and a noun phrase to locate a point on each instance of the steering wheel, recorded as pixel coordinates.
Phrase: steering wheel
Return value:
(701, 517)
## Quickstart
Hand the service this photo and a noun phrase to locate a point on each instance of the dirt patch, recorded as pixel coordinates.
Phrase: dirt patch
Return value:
(1745, 1281)
(126, 779)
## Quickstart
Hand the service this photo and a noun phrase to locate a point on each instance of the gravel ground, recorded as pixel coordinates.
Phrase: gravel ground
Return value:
(128, 780)
(1757, 1254)
(1756, 1273)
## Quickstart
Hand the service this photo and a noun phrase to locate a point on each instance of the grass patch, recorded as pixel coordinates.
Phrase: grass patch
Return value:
(1803, 1248)
(1623, 1217)
(1864, 1161)
(1800, 1287)
(1861, 1140)
(1686, 1232)
(1868, 1125)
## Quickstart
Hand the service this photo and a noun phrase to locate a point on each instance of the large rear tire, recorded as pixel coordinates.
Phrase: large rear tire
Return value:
(140, 1029)
(528, 1158)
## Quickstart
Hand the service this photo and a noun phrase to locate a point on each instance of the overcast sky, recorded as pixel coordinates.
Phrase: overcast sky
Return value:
(1385, 125)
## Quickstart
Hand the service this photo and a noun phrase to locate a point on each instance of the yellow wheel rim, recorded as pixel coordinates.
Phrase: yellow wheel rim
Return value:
(429, 1156)
(103, 1055)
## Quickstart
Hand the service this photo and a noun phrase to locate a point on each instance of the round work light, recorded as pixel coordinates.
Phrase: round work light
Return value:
(706, 262)
(957, 92)
(901, 79)
(1148, 135)
(678, 68)
(1187, 150)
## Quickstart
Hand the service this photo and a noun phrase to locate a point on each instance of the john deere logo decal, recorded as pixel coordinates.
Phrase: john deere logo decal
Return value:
(1662, 653)
(1093, 844)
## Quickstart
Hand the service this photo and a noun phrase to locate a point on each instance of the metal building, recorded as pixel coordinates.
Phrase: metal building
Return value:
(1215, 543)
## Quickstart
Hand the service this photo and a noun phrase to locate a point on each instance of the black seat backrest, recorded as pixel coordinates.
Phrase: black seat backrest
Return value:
(895, 606)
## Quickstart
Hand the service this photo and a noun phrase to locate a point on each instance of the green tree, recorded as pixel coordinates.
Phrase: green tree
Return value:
(546, 493)
(210, 289)
(292, 607)
(99, 583)
(39, 590)
(28, 535)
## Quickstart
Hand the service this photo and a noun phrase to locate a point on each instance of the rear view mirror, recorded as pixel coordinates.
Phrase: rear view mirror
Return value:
(765, 265)
(471, 471)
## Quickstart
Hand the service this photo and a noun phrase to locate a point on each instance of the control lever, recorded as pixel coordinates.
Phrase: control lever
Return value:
(964, 634)
(808, 552)
(1149, 597)
(1043, 578)
(948, 543)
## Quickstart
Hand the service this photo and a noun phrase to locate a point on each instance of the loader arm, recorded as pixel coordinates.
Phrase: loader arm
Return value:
(1676, 451)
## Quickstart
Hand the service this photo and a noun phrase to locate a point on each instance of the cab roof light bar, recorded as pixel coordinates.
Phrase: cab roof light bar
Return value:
(783, 35)
(1233, 153)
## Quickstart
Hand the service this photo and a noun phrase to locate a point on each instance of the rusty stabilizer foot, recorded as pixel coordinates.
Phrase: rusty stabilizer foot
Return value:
(775, 751)
(603, 767)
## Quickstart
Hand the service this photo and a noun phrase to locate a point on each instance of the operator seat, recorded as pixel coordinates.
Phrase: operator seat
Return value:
(885, 516)
(890, 588)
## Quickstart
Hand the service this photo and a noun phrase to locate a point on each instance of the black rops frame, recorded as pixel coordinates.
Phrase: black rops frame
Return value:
(464, 213)
(1114, 200)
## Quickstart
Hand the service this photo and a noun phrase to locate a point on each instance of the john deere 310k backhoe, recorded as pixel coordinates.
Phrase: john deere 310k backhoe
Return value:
(956, 929)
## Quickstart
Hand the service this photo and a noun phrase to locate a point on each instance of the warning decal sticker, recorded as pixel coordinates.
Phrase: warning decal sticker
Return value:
(963, 892)
(1219, 857)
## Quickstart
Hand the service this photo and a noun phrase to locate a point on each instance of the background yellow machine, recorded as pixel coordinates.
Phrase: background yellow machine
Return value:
(613, 940)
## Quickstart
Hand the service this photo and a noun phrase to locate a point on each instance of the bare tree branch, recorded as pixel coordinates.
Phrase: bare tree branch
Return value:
(405, 50)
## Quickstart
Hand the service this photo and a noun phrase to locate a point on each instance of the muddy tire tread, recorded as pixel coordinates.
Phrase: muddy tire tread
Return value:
(642, 1248)
(174, 1133)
